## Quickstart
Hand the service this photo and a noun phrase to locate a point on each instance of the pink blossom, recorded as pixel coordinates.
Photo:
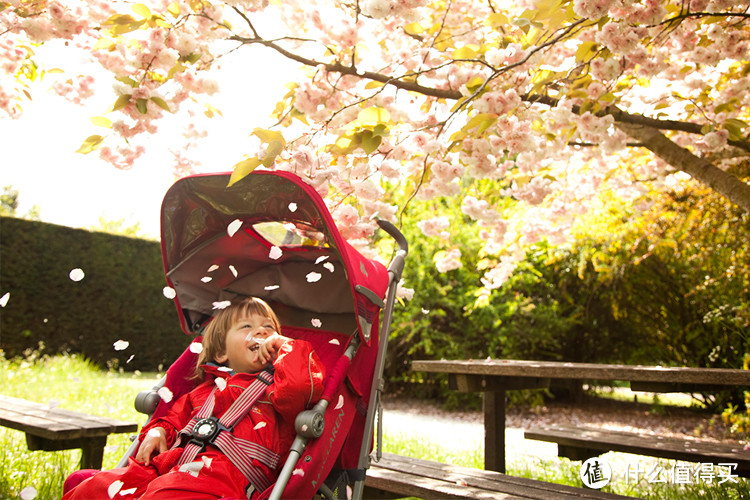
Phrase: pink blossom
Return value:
(435, 227)
(448, 261)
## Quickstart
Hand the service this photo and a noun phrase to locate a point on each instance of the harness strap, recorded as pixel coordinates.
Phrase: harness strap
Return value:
(240, 452)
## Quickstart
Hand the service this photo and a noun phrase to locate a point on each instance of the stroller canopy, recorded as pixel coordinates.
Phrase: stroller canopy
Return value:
(269, 235)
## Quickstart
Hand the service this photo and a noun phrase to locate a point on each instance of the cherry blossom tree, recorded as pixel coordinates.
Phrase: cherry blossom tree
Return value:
(532, 112)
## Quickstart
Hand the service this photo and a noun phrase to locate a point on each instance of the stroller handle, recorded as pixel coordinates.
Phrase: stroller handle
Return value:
(395, 234)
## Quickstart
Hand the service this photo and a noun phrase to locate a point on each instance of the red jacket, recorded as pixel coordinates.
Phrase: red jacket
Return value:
(298, 383)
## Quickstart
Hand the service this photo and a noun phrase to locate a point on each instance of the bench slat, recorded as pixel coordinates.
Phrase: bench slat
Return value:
(407, 475)
(56, 423)
(655, 446)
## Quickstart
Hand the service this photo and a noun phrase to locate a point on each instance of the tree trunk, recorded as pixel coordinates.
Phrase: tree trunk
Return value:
(726, 184)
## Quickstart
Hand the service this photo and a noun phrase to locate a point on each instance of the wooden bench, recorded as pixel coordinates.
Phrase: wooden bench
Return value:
(580, 443)
(53, 429)
(396, 476)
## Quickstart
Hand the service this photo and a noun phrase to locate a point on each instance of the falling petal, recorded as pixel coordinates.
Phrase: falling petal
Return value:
(234, 270)
(340, 402)
(275, 253)
(223, 304)
(212, 268)
(292, 207)
(53, 403)
(462, 482)
(233, 227)
(206, 279)
(28, 493)
(329, 266)
(271, 287)
(121, 345)
(165, 394)
(169, 292)
(220, 383)
(313, 277)
(196, 348)
(334, 342)
(207, 461)
(259, 425)
(425, 311)
(127, 492)
(298, 472)
(4, 299)
(192, 468)
(76, 274)
(114, 488)
(130, 359)
(224, 369)
(316, 322)
(321, 259)
(304, 428)
(153, 433)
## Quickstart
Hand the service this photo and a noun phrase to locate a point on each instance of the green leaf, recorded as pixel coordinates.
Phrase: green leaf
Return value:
(243, 169)
(127, 81)
(90, 144)
(141, 105)
(121, 102)
(370, 142)
(161, 103)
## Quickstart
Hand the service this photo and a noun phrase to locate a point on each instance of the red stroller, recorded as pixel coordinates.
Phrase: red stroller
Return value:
(270, 235)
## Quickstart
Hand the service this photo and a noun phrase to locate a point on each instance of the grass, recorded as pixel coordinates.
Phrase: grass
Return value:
(76, 384)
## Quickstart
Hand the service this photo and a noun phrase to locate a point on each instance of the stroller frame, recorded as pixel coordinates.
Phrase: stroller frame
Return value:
(201, 217)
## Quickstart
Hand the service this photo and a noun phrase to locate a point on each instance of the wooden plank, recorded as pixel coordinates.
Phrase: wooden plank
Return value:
(57, 423)
(656, 446)
(589, 371)
(485, 480)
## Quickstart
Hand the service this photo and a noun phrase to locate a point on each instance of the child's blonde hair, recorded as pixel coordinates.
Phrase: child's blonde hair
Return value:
(215, 334)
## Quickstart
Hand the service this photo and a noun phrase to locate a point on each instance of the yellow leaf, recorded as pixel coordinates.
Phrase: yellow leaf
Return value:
(373, 85)
(371, 117)
(413, 29)
(269, 136)
(497, 20)
(90, 144)
(465, 52)
(104, 43)
(142, 10)
(174, 9)
(272, 151)
(101, 121)
(243, 169)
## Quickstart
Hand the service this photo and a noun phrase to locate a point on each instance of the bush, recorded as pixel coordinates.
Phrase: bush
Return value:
(120, 297)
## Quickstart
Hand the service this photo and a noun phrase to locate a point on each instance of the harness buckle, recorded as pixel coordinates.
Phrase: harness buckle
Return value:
(205, 431)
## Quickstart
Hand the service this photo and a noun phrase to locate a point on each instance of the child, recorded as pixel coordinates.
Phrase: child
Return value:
(239, 345)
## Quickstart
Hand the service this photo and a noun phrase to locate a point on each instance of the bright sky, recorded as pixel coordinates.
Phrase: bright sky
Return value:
(39, 158)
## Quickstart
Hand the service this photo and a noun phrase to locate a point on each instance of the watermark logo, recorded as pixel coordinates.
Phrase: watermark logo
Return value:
(596, 473)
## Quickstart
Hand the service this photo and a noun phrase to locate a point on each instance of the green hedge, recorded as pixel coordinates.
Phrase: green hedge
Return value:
(120, 297)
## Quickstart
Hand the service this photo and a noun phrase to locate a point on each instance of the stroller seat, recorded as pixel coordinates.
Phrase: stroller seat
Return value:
(271, 236)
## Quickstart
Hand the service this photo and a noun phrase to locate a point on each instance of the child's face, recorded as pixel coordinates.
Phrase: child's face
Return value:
(241, 348)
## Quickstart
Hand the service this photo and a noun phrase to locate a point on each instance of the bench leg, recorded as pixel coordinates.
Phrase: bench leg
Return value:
(93, 453)
(92, 448)
(494, 430)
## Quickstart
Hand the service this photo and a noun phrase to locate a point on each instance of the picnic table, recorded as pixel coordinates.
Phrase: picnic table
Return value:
(494, 377)
(50, 428)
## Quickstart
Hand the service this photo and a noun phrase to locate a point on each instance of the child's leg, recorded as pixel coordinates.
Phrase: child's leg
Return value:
(217, 478)
(124, 484)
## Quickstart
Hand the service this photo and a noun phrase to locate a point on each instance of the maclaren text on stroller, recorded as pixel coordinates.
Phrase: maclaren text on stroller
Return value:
(270, 235)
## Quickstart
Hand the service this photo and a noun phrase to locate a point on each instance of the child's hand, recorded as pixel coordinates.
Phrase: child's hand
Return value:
(269, 350)
(154, 443)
